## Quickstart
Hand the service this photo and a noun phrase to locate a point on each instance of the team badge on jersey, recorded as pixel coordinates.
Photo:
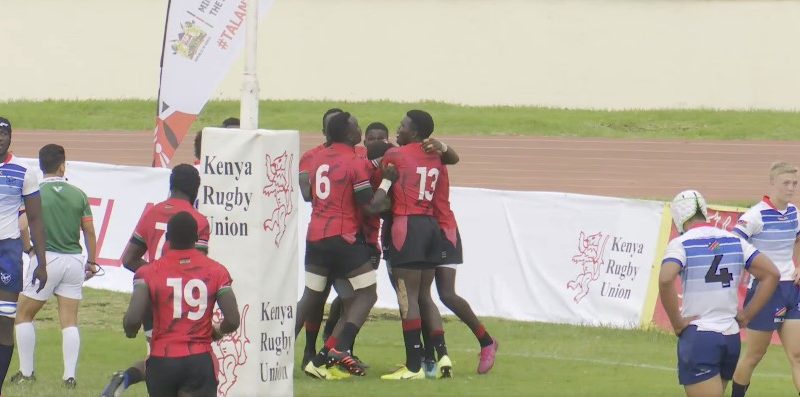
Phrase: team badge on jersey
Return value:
(713, 246)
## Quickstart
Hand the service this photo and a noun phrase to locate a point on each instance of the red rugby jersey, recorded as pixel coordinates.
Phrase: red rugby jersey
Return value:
(418, 176)
(441, 207)
(183, 286)
(308, 156)
(336, 174)
(152, 227)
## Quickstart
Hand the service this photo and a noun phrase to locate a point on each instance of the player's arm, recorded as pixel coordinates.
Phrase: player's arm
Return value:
(373, 203)
(138, 306)
(203, 237)
(33, 209)
(25, 234)
(132, 254)
(305, 186)
(796, 259)
(226, 300)
(448, 154)
(90, 240)
(762, 268)
(671, 266)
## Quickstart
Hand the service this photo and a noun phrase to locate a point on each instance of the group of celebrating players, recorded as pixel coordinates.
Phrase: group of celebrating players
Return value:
(373, 201)
(711, 262)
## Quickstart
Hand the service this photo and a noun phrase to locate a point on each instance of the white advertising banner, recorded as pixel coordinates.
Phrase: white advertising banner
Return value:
(551, 257)
(202, 39)
(529, 256)
(249, 195)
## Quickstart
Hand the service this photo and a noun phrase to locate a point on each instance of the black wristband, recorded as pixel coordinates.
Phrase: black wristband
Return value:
(29, 250)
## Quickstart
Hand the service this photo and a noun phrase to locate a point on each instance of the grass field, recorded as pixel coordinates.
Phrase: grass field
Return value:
(534, 360)
(450, 119)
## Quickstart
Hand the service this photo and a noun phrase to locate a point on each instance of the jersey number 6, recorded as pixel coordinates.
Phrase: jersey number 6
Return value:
(323, 186)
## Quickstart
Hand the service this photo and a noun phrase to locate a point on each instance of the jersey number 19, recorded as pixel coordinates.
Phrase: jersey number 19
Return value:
(186, 293)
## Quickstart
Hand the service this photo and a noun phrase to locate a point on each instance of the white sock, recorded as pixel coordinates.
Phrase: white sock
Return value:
(26, 344)
(70, 346)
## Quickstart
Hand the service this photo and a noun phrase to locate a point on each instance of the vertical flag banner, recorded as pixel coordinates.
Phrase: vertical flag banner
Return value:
(250, 196)
(202, 39)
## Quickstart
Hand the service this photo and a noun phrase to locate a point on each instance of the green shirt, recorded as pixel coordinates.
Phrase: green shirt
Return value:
(64, 207)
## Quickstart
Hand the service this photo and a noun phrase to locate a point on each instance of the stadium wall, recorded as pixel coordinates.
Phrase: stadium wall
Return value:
(574, 53)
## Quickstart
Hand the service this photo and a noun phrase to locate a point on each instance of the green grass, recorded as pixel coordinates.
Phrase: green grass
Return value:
(535, 359)
(450, 119)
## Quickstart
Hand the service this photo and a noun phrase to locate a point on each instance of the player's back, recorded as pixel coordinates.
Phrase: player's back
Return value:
(418, 175)
(335, 175)
(712, 263)
(152, 227)
(307, 159)
(183, 285)
(441, 203)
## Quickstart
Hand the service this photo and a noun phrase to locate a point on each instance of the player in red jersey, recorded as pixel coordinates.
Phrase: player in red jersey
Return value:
(181, 289)
(149, 238)
(446, 274)
(375, 132)
(335, 247)
(312, 321)
(415, 245)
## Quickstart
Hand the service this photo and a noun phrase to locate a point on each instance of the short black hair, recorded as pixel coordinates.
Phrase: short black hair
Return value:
(337, 127)
(182, 231)
(328, 113)
(377, 126)
(231, 122)
(51, 156)
(198, 141)
(422, 122)
(377, 149)
(185, 179)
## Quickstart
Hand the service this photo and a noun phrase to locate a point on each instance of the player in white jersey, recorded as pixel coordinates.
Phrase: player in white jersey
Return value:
(710, 262)
(772, 227)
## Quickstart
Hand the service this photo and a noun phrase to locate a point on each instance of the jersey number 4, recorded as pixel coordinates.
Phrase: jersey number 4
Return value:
(194, 293)
(424, 174)
(717, 275)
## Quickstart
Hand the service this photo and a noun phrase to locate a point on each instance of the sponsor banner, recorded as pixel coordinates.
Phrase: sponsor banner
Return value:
(249, 195)
(530, 256)
(552, 257)
(202, 39)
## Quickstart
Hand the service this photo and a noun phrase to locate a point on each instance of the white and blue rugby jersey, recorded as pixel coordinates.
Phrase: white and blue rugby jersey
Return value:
(16, 181)
(712, 261)
(773, 232)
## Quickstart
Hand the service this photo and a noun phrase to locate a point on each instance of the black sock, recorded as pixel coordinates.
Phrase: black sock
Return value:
(321, 358)
(411, 336)
(483, 337)
(427, 344)
(739, 390)
(353, 342)
(437, 340)
(346, 337)
(312, 331)
(132, 376)
(5, 361)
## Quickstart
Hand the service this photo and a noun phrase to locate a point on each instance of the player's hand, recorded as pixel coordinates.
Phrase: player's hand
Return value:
(40, 275)
(681, 326)
(432, 145)
(390, 172)
(132, 334)
(90, 269)
(742, 319)
(796, 276)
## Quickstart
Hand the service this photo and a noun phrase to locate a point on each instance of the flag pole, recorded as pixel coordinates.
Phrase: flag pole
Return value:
(248, 112)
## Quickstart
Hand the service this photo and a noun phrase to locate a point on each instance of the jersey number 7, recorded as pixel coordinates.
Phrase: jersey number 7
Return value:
(717, 275)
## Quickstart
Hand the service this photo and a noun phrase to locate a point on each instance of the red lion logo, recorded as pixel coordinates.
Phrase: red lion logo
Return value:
(280, 186)
(589, 258)
(230, 353)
